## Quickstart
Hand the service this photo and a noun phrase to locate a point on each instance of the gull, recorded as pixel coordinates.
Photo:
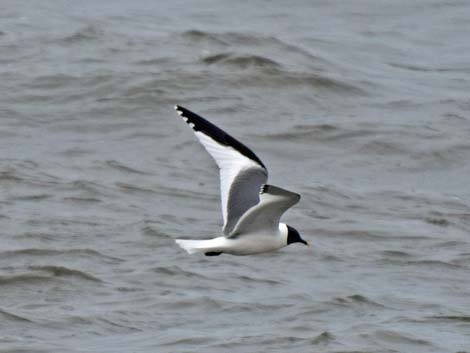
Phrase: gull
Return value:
(251, 208)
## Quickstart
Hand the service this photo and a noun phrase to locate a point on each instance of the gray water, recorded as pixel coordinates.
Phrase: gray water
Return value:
(361, 106)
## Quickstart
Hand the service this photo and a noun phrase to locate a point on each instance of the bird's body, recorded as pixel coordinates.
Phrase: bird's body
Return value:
(251, 208)
(248, 244)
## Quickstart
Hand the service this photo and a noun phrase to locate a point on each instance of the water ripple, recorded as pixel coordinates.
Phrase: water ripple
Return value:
(60, 271)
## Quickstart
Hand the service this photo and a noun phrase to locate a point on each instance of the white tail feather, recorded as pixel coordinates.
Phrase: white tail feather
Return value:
(195, 246)
(191, 246)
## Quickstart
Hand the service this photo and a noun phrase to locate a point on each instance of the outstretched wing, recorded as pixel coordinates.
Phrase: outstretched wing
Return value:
(241, 172)
(274, 201)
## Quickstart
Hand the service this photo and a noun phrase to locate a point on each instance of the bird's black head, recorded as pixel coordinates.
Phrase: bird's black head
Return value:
(294, 237)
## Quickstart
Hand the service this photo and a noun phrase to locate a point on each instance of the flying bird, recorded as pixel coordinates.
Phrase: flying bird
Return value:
(251, 208)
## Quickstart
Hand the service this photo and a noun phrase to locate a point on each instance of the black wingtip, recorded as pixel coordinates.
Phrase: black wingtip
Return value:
(264, 188)
(179, 109)
(275, 190)
(198, 123)
(188, 116)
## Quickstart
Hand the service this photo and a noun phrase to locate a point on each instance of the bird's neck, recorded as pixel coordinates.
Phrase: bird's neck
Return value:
(283, 231)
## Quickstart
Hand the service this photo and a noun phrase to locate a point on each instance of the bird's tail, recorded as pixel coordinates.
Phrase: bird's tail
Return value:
(196, 246)
(191, 246)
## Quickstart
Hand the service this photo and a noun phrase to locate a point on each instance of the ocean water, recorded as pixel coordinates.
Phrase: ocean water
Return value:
(360, 106)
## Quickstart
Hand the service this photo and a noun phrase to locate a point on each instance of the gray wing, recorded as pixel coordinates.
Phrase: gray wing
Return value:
(266, 215)
(241, 172)
(243, 194)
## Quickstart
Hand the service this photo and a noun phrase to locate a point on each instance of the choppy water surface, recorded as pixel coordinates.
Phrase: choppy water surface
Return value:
(361, 106)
